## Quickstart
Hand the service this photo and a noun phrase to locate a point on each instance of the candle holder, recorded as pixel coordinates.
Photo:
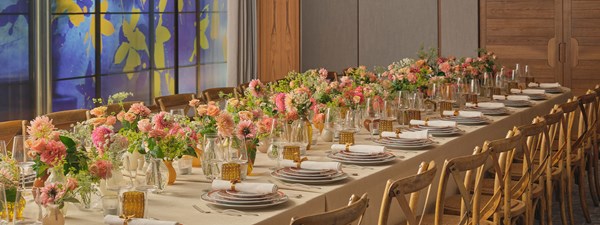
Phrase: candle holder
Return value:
(411, 115)
(231, 171)
(346, 137)
(386, 125)
(134, 204)
(291, 152)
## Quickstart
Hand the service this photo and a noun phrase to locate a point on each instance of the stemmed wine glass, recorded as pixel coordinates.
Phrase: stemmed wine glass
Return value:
(2, 148)
(19, 154)
(371, 115)
(474, 88)
(487, 85)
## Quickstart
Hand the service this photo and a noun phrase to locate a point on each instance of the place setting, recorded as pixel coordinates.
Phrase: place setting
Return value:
(534, 94)
(513, 100)
(465, 117)
(437, 128)
(407, 140)
(551, 88)
(360, 154)
(309, 172)
(488, 108)
(244, 195)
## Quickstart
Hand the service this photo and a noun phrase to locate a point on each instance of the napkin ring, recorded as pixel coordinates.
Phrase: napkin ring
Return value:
(456, 113)
(291, 152)
(299, 162)
(426, 122)
(231, 171)
(398, 132)
(505, 97)
(134, 204)
(233, 182)
(346, 137)
(347, 148)
(386, 125)
(126, 219)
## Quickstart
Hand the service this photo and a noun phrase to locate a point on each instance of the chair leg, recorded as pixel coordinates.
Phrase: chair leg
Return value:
(595, 168)
(592, 178)
(543, 210)
(563, 202)
(548, 199)
(583, 200)
(570, 182)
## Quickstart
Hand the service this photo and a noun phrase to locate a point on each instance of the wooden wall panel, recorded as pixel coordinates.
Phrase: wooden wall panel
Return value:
(278, 38)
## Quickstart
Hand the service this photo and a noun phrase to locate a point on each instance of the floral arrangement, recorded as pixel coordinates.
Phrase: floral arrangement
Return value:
(361, 75)
(166, 138)
(9, 177)
(59, 193)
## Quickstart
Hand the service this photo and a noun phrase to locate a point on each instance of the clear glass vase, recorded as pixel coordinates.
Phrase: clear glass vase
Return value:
(212, 156)
(57, 175)
(156, 176)
(301, 134)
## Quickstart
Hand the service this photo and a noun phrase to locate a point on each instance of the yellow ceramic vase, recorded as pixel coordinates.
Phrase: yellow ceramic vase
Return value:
(172, 173)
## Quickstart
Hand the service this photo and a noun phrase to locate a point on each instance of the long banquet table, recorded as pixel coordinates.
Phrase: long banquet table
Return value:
(176, 202)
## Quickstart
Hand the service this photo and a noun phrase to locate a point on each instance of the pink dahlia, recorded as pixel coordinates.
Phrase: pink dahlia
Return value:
(225, 125)
(101, 138)
(40, 127)
(139, 109)
(246, 129)
(101, 169)
(51, 193)
(256, 88)
(144, 125)
(160, 121)
(55, 152)
(280, 102)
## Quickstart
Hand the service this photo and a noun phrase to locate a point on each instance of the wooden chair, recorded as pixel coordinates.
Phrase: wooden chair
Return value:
(475, 209)
(212, 94)
(589, 108)
(499, 191)
(354, 211)
(398, 189)
(63, 120)
(10, 129)
(154, 108)
(556, 140)
(241, 89)
(574, 158)
(178, 101)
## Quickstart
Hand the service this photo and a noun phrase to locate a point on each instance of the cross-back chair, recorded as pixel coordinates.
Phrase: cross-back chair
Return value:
(178, 101)
(398, 190)
(63, 120)
(10, 129)
(354, 211)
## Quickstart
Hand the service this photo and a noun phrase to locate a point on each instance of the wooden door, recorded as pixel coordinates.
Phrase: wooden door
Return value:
(527, 32)
(278, 38)
(582, 48)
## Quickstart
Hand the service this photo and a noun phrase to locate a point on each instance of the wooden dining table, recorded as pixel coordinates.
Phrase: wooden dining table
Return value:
(175, 203)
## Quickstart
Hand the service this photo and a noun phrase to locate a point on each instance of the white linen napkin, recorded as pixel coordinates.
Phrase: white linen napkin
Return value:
(544, 85)
(469, 114)
(512, 97)
(254, 188)
(422, 134)
(433, 123)
(486, 105)
(527, 91)
(312, 165)
(115, 220)
(359, 148)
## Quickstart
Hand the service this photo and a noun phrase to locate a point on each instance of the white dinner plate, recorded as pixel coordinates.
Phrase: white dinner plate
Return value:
(282, 199)
(333, 180)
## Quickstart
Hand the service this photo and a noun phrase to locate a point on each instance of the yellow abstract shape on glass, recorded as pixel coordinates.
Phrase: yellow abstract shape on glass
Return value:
(106, 27)
(169, 82)
(180, 5)
(162, 36)
(203, 39)
(136, 41)
(70, 6)
(214, 26)
(162, 6)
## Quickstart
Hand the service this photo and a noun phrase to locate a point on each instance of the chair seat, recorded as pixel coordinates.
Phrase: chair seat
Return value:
(452, 205)
(429, 219)
(487, 187)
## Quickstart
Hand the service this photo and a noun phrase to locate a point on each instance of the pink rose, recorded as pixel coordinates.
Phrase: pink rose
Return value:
(159, 133)
(130, 117)
(445, 67)
(101, 169)
(144, 125)
(121, 116)
(280, 102)
(323, 73)
(468, 60)
(194, 103)
(38, 145)
(111, 120)
(213, 110)
(99, 111)
(72, 183)
(139, 109)
(202, 109)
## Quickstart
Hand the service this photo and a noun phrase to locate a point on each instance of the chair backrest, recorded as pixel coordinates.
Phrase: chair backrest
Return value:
(471, 211)
(571, 113)
(114, 109)
(588, 117)
(502, 153)
(398, 189)
(354, 211)
(556, 131)
(178, 101)
(212, 94)
(10, 129)
(63, 120)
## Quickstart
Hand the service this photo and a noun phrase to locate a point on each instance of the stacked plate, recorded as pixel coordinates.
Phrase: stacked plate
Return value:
(293, 174)
(554, 90)
(536, 97)
(234, 199)
(361, 158)
(515, 103)
(467, 120)
(405, 143)
(490, 111)
(438, 131)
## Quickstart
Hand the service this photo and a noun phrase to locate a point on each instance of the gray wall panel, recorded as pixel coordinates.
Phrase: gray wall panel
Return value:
(329, 34)
(390, 30)
(459, 28)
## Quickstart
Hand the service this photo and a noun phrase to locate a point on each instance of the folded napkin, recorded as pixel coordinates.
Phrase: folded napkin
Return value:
(115, 220)
(422, 134)
(486, 105)
(254, 188)
(512, 97)
(359, 148)
(527, 91)
(464, 113)
(312, 165)
(433, 123)
(544, 85)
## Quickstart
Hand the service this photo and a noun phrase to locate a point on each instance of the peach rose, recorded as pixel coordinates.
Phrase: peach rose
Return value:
(213, 110)
(99, 111)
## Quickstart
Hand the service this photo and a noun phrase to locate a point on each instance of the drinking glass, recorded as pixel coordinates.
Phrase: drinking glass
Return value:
(528, 76)
(275, 137)
(180, 112)
(516, 73)
(371, 114)
(474, 88)
(110, 205)
(487, 85)
(184, 165)
(388, 110)
(2, 148)
(28, 215)
(4, 207)
(19, 154)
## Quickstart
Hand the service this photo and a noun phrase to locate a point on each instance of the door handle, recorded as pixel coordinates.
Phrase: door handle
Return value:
(561, 52)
